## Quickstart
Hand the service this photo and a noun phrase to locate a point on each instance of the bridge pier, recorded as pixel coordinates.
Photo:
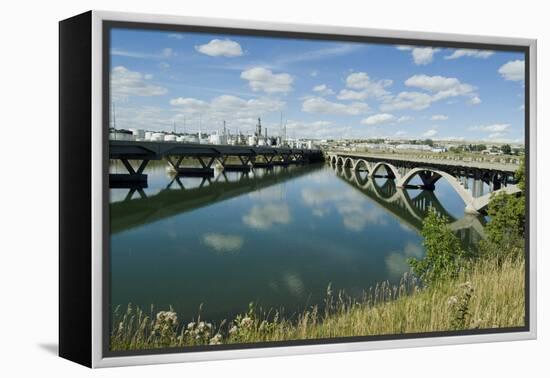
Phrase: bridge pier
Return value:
(204, 170)
(266, 163)
(243, 167)
(133, 177)
(284, 160)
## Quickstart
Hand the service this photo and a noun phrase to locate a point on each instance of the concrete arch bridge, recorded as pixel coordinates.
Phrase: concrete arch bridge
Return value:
(405, 172)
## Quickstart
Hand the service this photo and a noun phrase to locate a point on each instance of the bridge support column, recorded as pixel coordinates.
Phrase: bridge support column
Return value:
(243, 167)
(284, 160)
(204, 170)
(266, 163)
(470, 209)
(133, 177)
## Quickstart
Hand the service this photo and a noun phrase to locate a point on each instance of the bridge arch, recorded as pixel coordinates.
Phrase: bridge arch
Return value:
(348, 163)
(340, 160)
(362, 162)
(434, 176)
(392, 171)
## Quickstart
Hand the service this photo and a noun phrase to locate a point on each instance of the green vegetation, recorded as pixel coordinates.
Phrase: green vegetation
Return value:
(454, 291)
(506, 230)
(444, 253)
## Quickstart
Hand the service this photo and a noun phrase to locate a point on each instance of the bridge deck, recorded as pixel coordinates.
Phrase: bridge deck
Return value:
(396, 158)
(158, 150)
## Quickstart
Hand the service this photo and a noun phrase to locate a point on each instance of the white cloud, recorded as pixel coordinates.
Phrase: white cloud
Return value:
(430, 133)
(143, 117)
(475, 100)
(223, 242)
(440, 88)
(497, 135)
(264, 217)
(513, 70)
(167, 52)
(363, 87)
(314, 73)
(125, 83)
(407, 100)
(320, 105)
(192, 105)
(496, 127)
(176, 36)
(163, 54)
(237, 111)
(439, 117)
(421, 55)
(262, 79)
(404, 119)
(378, 119)
(317, 54)
(218, 47)
(323, 90)
(432, 83)
(459, 53)
(316, 129)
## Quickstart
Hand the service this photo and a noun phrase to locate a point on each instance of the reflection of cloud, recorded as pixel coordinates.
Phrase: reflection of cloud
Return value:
(263, 217)
(350, 205)
(313, 197)
(294, 284)
(270, 193)
(396, 262)
(320, 212)
(406, 227)
(223, 242)
(356, 217)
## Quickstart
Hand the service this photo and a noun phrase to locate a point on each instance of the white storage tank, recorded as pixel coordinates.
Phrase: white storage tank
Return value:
(214, 139)
(148, 135)
(170, 138)
(138, 133)
(191, 139)
(157, 137)
(251, 140)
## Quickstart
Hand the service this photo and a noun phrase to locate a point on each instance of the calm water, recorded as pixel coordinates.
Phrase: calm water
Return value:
(276, 238)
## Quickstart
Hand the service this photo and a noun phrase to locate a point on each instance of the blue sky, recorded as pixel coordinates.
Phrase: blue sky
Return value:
(324, 89)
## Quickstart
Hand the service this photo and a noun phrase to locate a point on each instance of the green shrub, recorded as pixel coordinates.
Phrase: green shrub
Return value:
(444, 253)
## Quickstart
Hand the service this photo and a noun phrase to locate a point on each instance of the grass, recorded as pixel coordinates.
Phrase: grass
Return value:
(488, 294)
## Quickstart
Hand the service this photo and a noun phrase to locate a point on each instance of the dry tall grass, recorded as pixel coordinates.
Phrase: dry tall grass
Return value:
(486, 295)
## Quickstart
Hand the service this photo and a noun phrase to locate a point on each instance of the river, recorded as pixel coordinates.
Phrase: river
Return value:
(276, 237)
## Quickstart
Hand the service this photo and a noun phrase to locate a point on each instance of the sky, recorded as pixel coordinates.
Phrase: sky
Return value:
(162, 80)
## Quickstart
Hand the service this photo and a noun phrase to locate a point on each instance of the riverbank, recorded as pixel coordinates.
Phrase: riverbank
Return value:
(488, 294)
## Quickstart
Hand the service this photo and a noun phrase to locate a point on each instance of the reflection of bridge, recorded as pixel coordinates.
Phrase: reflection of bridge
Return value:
(230, 158)
(404, 171)
(169, 202)
(411, 210)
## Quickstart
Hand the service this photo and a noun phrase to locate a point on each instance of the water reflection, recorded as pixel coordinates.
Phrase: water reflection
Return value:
(412, 205)
(275, 237)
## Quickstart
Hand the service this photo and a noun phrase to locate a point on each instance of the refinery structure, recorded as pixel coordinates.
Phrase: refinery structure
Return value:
(258, 138)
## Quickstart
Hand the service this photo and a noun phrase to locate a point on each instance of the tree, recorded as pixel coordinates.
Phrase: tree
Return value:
(505, 232)
(444, 253)
(506, 149)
